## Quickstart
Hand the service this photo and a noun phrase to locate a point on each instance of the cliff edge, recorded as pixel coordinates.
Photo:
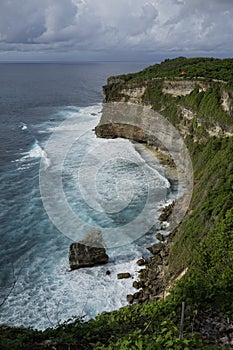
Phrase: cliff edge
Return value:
(193, 96)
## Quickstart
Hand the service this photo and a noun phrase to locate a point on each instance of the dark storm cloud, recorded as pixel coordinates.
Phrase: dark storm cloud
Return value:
(116, 27)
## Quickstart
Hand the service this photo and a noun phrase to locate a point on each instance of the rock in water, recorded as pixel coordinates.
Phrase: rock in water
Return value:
(123, 275)
(88, 252)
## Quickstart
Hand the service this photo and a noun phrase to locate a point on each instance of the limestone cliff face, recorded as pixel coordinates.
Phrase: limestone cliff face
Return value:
(143, 124)
(117, 91)
(117, 88)
(135, 94)
(186, 119)
(137, 123)
(113, 130)
(226, 101)
(180, 87)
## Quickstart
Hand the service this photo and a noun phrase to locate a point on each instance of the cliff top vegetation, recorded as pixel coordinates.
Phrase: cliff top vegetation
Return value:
(195, 68)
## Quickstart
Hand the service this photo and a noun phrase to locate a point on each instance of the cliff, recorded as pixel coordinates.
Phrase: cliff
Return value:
(195, 107)
(201, 108)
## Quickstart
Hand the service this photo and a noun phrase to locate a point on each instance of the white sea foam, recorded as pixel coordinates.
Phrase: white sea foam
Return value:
(85, 292)
(23, 126)
(79, 114)
(35, 152)
(23, 167)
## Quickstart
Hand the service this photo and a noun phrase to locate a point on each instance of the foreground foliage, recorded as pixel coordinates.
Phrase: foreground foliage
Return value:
(151, 326)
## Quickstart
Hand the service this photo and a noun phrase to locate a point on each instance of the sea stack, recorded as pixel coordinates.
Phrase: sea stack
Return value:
(88, 252)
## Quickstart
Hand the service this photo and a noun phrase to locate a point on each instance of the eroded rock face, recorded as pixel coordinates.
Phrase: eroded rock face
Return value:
(88, 252)
(135, 122)
(179, 87)
(113, 130)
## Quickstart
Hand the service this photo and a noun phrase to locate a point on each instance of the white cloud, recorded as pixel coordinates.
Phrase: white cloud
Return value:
(117, 27)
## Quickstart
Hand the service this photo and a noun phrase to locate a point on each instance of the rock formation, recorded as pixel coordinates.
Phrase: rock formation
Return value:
(88, 252)
(123, 275)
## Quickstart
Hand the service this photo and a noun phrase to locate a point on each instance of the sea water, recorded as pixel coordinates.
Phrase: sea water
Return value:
(36, 287)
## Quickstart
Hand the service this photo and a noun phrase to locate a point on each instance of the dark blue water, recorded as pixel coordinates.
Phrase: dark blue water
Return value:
(35, 92)
(37, 101)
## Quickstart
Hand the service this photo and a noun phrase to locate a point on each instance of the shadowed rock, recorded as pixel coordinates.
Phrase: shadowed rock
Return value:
(88, 252)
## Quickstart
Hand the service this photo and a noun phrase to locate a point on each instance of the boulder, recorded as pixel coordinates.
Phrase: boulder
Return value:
(137, 284)
(160, 237)
(130, 298)
(123, 275)
(88, 252)
(156, 248)
(166, 212)
(141, 262)
(138, 295)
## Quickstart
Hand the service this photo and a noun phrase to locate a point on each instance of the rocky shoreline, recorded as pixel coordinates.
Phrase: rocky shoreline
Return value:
(154, 278)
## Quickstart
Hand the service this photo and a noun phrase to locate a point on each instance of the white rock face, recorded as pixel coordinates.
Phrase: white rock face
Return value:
(187, 113)
(226, 101)
(178, 88)
(135, 94)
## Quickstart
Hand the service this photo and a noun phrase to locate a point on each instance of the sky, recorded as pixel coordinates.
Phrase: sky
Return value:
(114, 30)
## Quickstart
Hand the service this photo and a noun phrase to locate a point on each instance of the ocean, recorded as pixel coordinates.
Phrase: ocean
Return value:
(63, 102)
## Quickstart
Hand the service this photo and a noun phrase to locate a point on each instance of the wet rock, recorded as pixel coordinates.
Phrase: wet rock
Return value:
(154, 278)
(157, 259)
(138, 295)
(88, 252)
(137, 284)
(160, 237)
(130, 298)
(123, 275)
(156, 248)
(163, 226)
(141, 262)
(166, 212)
(164, 252)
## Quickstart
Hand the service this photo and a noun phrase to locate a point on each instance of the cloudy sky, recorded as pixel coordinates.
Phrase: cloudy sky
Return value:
(79, 30)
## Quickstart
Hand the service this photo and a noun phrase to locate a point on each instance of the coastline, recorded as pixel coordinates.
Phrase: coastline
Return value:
(153, 134)
(152, 280)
